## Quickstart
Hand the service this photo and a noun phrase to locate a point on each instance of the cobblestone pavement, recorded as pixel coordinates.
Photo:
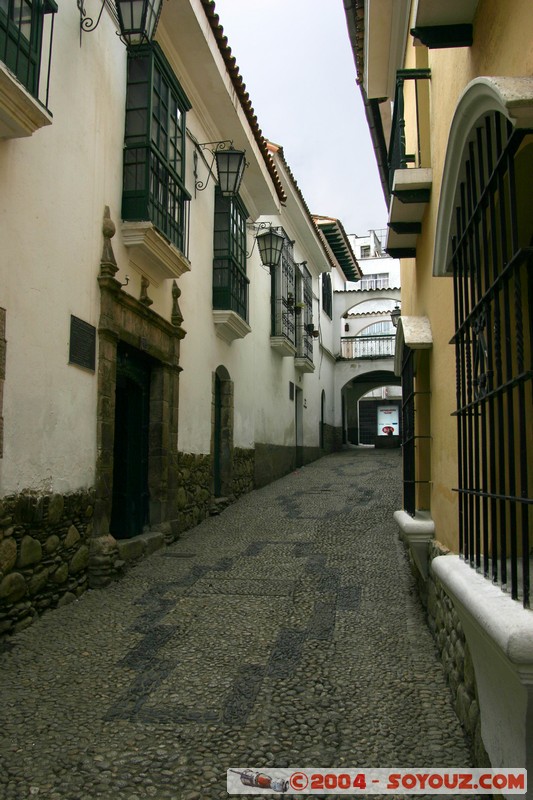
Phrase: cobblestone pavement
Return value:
(284, 632)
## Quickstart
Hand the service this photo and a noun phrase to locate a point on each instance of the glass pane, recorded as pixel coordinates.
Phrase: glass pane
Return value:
(137, 96)
(22, 17)
(136, 124)
(138, 70)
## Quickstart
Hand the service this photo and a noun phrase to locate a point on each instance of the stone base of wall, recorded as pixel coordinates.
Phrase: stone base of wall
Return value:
(194, 489)
(447, 631)
(330, 437)
(273, 461)
(44, 554)
(243, 471)
(311, 454)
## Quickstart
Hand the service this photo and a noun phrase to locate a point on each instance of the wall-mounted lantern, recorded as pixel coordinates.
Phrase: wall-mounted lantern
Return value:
(137, 19)
(395, 315)
(230, 165)
(269, 242)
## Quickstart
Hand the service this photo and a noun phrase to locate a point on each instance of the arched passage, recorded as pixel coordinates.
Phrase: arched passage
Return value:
(360, 422)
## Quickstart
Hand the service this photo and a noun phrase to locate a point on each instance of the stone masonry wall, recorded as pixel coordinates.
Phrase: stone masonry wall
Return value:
(243, 471)
(44, 553)
(447, 631)
(194, 489)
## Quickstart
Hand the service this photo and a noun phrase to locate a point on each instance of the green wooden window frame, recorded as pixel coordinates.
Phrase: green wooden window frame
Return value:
(21, 38)
(230, 282)
(154, 145)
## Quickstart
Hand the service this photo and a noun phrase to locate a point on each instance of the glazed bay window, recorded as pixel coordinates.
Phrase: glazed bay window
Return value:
(26, 32)
(230, 284)
(154, 154)
(21, 38)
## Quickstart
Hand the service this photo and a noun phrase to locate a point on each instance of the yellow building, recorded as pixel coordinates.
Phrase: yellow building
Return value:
(448, 94)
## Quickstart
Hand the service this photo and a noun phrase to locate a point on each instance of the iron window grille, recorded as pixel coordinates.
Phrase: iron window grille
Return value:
(154, 154)
(492, 261)
(22, 31)
(327, 295)
(408, 431)
(283, 293)
(304, 313)
(230, 283)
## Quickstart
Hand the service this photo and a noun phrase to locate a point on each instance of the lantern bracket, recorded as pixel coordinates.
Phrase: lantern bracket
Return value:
(88, 24)
(142, 32)
(214, 148)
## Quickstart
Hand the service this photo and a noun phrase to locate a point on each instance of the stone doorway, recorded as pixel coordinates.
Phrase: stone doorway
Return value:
(127, 324)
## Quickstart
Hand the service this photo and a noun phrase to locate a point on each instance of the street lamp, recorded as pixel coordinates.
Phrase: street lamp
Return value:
(395, 315)
(137, 19)
(270, 244)
(230, 164)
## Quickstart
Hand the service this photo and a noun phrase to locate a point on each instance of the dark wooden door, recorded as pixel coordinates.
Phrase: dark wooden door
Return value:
(130, 509)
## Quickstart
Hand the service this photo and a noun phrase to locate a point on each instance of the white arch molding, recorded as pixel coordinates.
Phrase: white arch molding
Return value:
(512, 97)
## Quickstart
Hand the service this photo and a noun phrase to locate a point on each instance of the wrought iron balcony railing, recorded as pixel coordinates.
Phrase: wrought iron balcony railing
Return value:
(381, 346)
(399, 158)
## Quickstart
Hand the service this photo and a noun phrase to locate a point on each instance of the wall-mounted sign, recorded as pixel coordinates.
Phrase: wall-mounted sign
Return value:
(388, 421)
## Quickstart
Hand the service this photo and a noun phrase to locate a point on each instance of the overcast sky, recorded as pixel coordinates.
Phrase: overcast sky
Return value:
(296, 60)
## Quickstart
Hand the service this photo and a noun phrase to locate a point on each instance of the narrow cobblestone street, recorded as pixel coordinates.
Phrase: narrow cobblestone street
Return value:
(284, 632)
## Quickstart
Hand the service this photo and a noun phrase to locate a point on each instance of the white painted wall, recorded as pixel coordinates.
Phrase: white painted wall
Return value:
(55, 185)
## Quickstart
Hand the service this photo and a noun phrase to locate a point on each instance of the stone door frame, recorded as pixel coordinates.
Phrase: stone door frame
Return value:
(125, 319)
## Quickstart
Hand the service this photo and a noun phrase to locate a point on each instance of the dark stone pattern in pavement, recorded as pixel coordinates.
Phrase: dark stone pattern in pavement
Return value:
(283, 632)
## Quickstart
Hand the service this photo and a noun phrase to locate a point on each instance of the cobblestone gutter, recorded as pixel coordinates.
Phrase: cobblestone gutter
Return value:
(447, 631)
(44, 553)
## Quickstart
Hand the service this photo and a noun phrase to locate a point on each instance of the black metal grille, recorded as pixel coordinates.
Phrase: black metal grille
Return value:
(493, 285)
(327, 294)
(304, 313)
(408, 431)
(283, 294)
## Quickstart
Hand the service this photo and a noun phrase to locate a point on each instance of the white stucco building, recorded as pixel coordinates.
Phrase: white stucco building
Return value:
(152, 368)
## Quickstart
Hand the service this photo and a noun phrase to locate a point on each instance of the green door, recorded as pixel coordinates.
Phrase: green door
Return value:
(130, 508)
